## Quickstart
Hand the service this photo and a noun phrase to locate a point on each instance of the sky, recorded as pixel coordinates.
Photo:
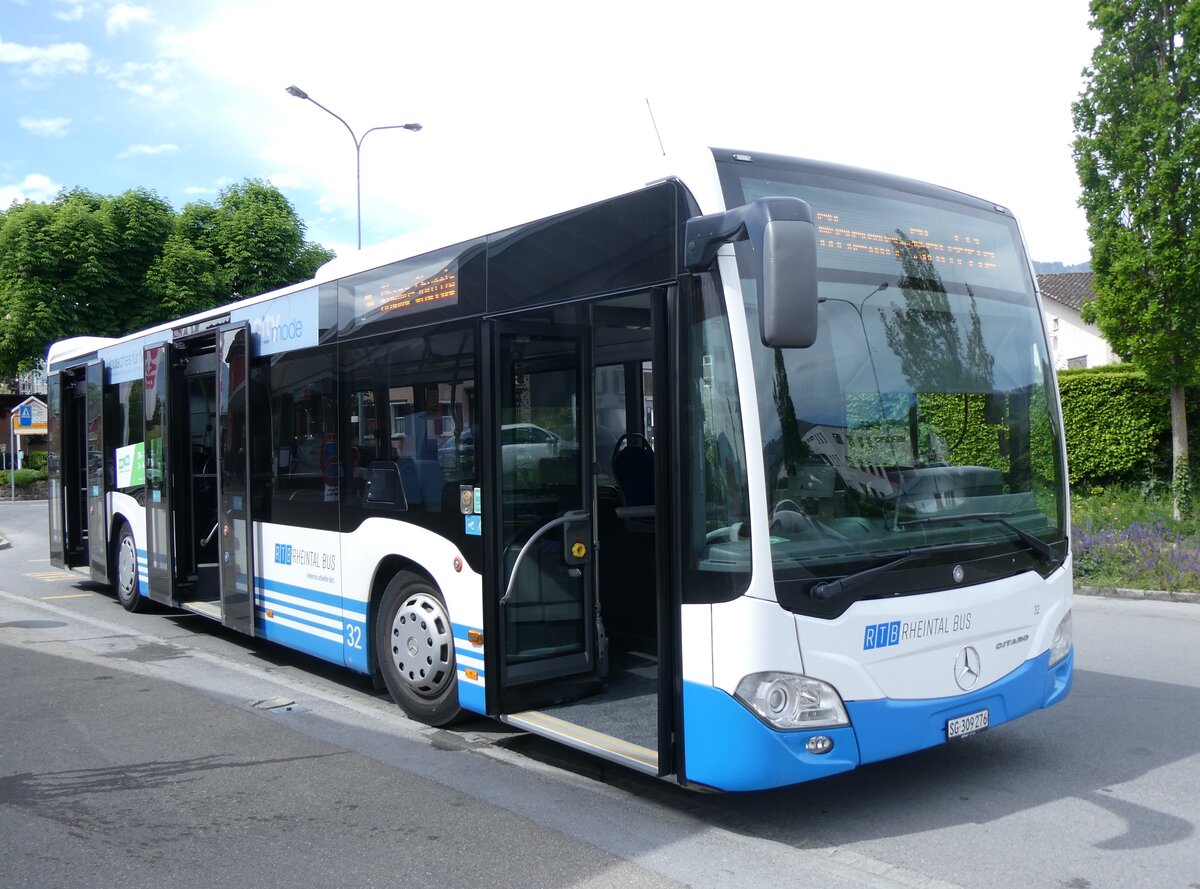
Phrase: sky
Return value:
(529, 107)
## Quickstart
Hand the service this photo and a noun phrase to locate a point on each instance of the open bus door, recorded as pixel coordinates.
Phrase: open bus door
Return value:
(161, 572)
(579, 616)
(233, 478)
(97, 503)
(542, 463)
(67, 475)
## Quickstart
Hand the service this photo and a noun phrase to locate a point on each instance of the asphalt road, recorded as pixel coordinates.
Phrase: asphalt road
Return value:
(159, 750)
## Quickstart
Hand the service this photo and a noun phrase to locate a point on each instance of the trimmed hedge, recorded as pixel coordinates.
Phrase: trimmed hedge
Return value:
(1116, 424)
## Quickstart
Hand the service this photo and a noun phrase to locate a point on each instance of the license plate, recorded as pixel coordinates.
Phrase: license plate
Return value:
(965, 726)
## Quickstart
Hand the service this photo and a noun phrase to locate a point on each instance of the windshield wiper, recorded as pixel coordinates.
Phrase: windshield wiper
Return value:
(825, 591)
(1048, 553)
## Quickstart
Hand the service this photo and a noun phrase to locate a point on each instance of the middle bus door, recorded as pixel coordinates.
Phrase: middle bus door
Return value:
(159, 437)
(541, 457)
(234, 531)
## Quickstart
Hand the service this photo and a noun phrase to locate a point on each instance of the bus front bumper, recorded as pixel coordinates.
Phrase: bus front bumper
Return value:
(726, 747)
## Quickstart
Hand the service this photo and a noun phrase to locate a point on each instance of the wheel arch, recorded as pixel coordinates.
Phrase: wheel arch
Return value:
(388, 567)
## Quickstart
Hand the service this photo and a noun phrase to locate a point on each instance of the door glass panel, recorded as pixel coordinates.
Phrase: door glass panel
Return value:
(543, 468)
(233, 475)
(160, 544)
(97, 516)
(54, 473)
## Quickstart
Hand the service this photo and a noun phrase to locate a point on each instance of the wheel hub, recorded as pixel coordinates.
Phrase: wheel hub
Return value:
(423, 645)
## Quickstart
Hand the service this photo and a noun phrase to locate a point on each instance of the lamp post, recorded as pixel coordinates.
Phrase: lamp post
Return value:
(358, 141)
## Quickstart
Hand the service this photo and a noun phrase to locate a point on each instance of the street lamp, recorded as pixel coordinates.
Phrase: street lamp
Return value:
(358, 141)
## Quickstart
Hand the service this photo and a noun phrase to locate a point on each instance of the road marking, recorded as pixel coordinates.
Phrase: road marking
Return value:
(50, 576)
(71, 596)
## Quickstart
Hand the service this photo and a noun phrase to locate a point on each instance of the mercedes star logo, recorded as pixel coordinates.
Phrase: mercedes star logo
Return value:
(966, 668)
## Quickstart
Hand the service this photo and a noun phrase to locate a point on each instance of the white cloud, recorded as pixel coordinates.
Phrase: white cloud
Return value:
(199, 189)
(46, 61)
(34, 187)
(147, 151)
(73, 12)
(122, 15)
(148, 80)
(45, 126)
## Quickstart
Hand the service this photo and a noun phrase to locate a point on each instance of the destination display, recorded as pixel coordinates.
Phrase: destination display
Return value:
(887, 235)
(405, 292)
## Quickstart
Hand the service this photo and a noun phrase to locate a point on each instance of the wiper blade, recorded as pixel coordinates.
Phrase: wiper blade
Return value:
(825, 591)
(1048, 553)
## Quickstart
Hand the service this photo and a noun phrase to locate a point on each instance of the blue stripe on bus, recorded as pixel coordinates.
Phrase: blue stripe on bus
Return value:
(474, 655)
(313, 619)
(471, 697)
(325, 649)
(322, 598)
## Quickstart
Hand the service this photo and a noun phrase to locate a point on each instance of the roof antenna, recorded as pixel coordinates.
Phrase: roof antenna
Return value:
(656, 132)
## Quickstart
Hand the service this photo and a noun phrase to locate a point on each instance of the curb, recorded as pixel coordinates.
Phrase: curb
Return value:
(1156, 595)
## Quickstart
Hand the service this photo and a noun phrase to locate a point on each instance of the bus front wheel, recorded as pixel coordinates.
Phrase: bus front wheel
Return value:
(125, 578)
(415, 645)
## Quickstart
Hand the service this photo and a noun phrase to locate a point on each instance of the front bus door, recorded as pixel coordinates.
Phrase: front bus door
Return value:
(233, 478)
(542, 463)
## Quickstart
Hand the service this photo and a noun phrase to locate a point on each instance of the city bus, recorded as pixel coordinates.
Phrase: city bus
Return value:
(743, 477)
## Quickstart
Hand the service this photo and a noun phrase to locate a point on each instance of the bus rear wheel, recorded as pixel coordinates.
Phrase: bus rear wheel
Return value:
(125, 572)
(415, 645)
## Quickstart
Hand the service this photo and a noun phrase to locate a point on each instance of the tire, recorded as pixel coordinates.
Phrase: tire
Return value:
(125, 572)
(414, 645)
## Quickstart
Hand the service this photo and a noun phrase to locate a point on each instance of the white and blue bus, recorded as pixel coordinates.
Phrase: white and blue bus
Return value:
(743, 478)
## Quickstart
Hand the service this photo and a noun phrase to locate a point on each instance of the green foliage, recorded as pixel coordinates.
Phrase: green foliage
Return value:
(36, 460)
(1181, 486)
(105, 266)
(1114, 420)
(1124, 537)
(24, 477)
(182, 280)
(1137, 152)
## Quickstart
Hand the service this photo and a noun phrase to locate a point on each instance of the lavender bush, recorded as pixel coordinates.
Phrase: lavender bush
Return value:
(1140, 556)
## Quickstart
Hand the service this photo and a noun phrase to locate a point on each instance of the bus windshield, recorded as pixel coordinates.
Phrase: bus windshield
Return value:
(919, 430)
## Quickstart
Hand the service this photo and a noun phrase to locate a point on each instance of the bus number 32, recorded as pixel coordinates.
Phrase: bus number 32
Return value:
(354, 636)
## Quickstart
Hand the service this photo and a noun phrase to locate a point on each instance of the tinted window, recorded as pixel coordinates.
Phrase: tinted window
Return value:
(408, 425)
(299, 462)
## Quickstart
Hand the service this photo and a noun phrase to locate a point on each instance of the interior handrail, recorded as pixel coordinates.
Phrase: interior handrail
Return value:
(574, 515)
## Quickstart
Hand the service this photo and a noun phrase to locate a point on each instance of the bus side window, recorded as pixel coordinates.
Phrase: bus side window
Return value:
(303, 456)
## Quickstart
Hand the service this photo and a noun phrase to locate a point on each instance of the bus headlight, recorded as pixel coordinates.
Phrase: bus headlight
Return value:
(1063, 640)
(788, 701)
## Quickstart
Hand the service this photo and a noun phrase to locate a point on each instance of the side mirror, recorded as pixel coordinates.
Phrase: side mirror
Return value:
(784, 238)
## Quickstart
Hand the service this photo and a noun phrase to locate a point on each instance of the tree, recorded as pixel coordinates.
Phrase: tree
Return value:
(105, 266)
(256, 236)
(1137, 152)
(182, 280)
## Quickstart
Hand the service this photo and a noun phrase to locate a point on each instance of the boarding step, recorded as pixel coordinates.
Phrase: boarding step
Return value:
(207, 609)
(588, 740)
